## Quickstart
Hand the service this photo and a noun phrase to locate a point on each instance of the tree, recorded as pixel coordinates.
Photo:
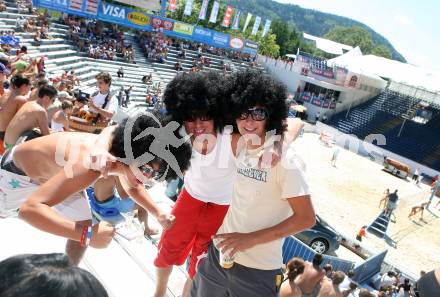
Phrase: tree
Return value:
(354, 36)
(269, 46)
(382, 51)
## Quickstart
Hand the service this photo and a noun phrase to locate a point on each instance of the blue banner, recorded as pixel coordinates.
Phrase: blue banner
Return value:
(128, 17)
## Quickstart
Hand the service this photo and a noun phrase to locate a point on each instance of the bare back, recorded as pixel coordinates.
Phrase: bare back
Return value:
(9, 106)
(311, 276)
(290, 289)
(43, 157)
(329, 290)
(31, 115)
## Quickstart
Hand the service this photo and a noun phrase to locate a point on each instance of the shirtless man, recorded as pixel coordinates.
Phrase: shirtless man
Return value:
(45, 179)
(330, 287)
(309, 281)
(31, 115)
(11, 102)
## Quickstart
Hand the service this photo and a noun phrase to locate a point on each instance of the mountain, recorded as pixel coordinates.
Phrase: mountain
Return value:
(308, 20)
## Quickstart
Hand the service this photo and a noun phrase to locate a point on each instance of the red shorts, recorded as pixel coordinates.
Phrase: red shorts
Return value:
(2, 147)
(196, 222)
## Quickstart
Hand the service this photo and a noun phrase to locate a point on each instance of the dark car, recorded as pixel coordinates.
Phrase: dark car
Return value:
(322, 238)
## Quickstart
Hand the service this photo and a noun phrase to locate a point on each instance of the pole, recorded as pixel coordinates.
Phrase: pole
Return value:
(164, 7)
(401, 127)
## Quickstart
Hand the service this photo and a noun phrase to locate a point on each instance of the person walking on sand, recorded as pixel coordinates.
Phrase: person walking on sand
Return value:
(418, 208)
(362, 233)
(384, 199)
(335, 157)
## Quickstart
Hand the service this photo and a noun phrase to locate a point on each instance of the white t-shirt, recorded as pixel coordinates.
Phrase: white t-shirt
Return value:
(112, 104)
(210, 177)
(259, 202)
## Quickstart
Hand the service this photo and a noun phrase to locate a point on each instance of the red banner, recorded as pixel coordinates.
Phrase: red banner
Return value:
(228, 15)
(173, 5)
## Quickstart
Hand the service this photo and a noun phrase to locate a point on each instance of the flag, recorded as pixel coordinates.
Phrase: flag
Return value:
(236, 22)
(214, 12)
(248, 19)
(256, 25)
(76, 4)
(92, 6)
(173, 5)
(188, 7)
(228, 15)
(203, 9)
(266, 27)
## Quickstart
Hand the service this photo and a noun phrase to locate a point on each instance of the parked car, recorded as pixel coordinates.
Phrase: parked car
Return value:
(322, 238)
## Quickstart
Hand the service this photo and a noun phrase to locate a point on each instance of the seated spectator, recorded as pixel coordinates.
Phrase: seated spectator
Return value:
(147, 79)
(60, 120)
(49, 275)
(178, 66)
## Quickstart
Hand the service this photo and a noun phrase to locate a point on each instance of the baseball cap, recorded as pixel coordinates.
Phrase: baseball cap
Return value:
(64, 94)
(4, 70)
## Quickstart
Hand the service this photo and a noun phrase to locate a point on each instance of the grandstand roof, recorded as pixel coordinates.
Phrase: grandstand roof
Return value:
(405, 73)
(328, 46)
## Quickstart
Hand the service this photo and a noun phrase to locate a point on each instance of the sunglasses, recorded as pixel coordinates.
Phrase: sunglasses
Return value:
(193, 118)
(256, 113)
(148, 170)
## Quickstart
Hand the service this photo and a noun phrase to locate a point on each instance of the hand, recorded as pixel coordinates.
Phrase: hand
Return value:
(235, 242)
(101, 160)
(102, 235)
(167, 220)
(91, 104)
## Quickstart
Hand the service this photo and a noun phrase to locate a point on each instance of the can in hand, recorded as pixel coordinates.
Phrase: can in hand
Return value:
(226, 261)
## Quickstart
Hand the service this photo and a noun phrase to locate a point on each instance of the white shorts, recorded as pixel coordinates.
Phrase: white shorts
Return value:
(15, 189)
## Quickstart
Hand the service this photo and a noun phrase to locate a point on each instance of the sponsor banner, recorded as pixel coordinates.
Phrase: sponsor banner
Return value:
(326, 104)
(305, 98)
(250, 47)
(138, 18)
(248, 19)
(173, 5)
(316, 102)
(202, 34)
(333, 105)
(157, 23)
(188, 7)
(266, 27)
(128, 17)
(203, 10)
(220, 39)
(236, 43)
(214, 12)
(236, 22)
(92, 6)
(323, 72)
(256, 25)
(76, 5)
(182, 28)
(228, 15)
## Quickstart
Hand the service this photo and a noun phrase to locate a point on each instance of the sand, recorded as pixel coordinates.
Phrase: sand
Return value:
(348, 196)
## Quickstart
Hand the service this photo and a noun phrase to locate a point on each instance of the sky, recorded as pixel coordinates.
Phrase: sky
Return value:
(411, 26)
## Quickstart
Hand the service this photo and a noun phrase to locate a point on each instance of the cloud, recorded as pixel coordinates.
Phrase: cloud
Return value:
(402, 19)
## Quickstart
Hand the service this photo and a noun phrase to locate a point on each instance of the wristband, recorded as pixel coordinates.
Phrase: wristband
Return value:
(82, 241)
(89, 235)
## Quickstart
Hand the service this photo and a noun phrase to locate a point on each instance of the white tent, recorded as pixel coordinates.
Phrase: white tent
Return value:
(328, 46)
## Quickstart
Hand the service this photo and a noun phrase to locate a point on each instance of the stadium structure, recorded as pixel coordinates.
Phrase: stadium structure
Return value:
(363, 95)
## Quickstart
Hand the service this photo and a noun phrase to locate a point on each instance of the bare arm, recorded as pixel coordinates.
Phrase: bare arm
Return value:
(294, 127)
(143, 198)
(303, 218)
(37, 209)
(43, 123)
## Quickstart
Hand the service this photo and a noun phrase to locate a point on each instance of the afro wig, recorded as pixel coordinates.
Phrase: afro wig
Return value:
(148, 131)
(195, 94)
(249, 88)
